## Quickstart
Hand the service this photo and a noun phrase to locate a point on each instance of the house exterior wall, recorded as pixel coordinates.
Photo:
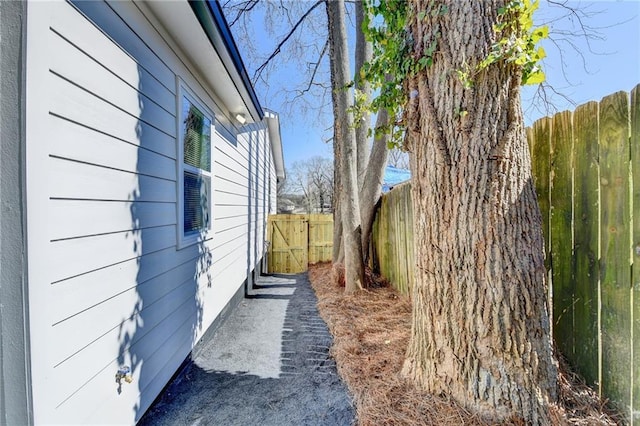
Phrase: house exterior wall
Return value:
(276, 156)
(14, 391)
(259, 154)
(108, 285)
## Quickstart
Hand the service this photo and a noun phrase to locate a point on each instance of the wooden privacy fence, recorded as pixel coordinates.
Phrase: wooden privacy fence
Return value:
(295, 240)
(392, 240)
(586, 167)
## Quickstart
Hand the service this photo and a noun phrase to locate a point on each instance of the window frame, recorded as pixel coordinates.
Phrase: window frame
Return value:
(187, 239)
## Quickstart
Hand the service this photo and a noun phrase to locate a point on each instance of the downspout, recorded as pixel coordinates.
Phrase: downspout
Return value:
(256, 206)
(249, 285)
(16, 406)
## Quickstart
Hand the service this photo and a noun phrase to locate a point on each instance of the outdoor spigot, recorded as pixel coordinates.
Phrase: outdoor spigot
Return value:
(124, 372)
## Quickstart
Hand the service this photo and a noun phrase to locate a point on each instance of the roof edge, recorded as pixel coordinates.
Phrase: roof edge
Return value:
(273, 123)
(215, 26)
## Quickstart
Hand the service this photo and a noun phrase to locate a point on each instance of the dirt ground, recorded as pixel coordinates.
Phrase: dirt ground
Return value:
(371, 331)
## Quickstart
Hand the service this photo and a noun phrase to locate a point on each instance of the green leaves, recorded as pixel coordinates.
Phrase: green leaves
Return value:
(465, 78)
(385, 27)
(517, 41)
(536, 77)
(394, 57)
(539, 33)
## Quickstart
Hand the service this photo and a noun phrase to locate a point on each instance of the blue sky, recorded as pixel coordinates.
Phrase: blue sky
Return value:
(611, 61)
(608, 62)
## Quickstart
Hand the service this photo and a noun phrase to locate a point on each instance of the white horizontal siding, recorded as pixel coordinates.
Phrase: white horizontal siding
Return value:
(102, 211)
(225, 182)
(232, 163)
(80, 32)
(228, 246)
(225, 198)
(224, 212)
(99, 389)
(252, 141)
(77, 67)
(74, 141)
(74, 180)
(77, 105)
(81, 218)
(124, 35)
(86, 291)
(230, 257)
(73, 257)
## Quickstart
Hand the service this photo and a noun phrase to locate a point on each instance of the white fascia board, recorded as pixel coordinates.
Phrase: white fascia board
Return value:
(273, 122)
(209, 56)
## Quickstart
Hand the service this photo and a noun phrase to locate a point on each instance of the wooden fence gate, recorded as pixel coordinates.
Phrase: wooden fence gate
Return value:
(295, 240)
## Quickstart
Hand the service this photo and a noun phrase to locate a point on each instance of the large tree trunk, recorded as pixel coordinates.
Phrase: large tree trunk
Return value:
(363, 54)
(480, 329)
(338, 248)
(345, 138)
(371, 188)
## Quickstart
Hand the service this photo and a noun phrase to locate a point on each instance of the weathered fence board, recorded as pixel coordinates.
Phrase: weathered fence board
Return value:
(598, 283)
(615, 246)
(541, 165)
(586, 240)
(392, 243)
(635, 241)
(561, 232)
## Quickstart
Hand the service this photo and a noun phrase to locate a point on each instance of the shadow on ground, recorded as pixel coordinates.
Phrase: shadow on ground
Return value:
(268, 364)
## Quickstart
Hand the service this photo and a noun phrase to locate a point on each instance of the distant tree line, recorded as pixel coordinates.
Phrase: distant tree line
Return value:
(308, 188)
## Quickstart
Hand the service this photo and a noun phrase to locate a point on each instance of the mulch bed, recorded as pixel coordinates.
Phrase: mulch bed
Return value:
(371, 332)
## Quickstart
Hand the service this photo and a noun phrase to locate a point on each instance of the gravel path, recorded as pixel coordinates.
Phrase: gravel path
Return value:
(268, 364)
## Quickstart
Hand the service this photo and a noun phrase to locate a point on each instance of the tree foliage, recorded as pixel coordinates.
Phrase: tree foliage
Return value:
(393, 61)
(518, 40)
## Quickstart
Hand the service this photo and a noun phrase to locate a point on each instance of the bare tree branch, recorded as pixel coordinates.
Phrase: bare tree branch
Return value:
(542, 101)
(398, 158)
(570, 35)
(313, 179)
(241, 9)
(276, 51)
(316, 66)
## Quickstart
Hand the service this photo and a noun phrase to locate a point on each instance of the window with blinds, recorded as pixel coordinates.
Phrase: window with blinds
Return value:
(195, 169)
(196, 201)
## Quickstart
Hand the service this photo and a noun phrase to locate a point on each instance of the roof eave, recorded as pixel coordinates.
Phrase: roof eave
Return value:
(214, 24)
(273, 123)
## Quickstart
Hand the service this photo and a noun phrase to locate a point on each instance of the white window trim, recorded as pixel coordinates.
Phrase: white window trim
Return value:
(188, 240)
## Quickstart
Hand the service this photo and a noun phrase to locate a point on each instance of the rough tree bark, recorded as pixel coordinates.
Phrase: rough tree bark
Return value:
(371, 162)
(480, 329)
(371, 188)
(338, 249)
(369, 165)
(345, 138)
(363, 54)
